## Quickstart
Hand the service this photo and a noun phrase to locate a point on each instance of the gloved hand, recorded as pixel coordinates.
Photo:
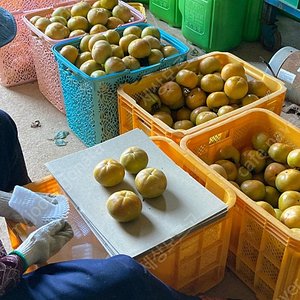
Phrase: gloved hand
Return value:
(35, 208)
(7, 212)
(45, 241)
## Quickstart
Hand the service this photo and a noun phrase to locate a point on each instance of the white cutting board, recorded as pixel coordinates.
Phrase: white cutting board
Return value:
(185, 205)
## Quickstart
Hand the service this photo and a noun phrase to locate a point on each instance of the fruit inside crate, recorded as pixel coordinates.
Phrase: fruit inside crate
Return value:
(263, 251)
(91, 103)
(132, 113)
(31, 17)
(47, 72)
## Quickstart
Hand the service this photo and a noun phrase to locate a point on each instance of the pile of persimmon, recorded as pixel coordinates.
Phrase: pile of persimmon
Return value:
(267, 171)
(194, 97)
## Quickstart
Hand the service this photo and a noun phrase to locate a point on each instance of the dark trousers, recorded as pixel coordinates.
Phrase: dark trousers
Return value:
(119, 277)
(12, 166)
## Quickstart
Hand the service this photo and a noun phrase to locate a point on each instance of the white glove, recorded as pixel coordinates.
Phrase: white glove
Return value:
(7, 212)
(36, 209)
(45, 242)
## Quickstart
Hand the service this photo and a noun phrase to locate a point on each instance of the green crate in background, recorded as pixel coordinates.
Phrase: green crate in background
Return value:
(252, 21)
(141, 1)
(213, 25)
(166, 10)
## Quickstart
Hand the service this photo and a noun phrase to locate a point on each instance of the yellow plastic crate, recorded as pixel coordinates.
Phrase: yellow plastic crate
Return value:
(132, 116)
(197, 261)
(140, 7)
(194, 263)
(263, 252)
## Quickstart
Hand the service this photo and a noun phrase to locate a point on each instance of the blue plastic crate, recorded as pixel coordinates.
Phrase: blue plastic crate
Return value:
(92, 103)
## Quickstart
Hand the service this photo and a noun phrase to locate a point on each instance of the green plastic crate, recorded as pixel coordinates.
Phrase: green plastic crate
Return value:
(213, 25)
(166, 10)
(252, 22)
(141, 1)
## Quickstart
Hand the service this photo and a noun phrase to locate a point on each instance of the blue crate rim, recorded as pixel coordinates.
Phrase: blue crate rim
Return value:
(183, 49)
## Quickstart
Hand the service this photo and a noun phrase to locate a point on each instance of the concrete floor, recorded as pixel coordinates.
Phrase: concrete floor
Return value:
(26, 104)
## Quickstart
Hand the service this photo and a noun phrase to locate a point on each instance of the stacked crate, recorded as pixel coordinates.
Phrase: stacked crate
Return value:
(132, 115)
(92, 103)
(263, 252)
(44, 60)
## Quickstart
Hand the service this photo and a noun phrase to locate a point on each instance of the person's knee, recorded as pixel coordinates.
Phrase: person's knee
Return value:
(128, 262)
(125, 258)
(130, 267)
(6, 122)
(4, 116)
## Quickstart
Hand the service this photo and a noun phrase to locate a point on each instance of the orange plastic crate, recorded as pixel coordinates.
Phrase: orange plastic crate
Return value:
(197, 261)
(194, 263)
(132, 116)
(263, 252)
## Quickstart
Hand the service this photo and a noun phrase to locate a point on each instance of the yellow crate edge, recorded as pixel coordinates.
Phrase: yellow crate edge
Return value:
(176, 135)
